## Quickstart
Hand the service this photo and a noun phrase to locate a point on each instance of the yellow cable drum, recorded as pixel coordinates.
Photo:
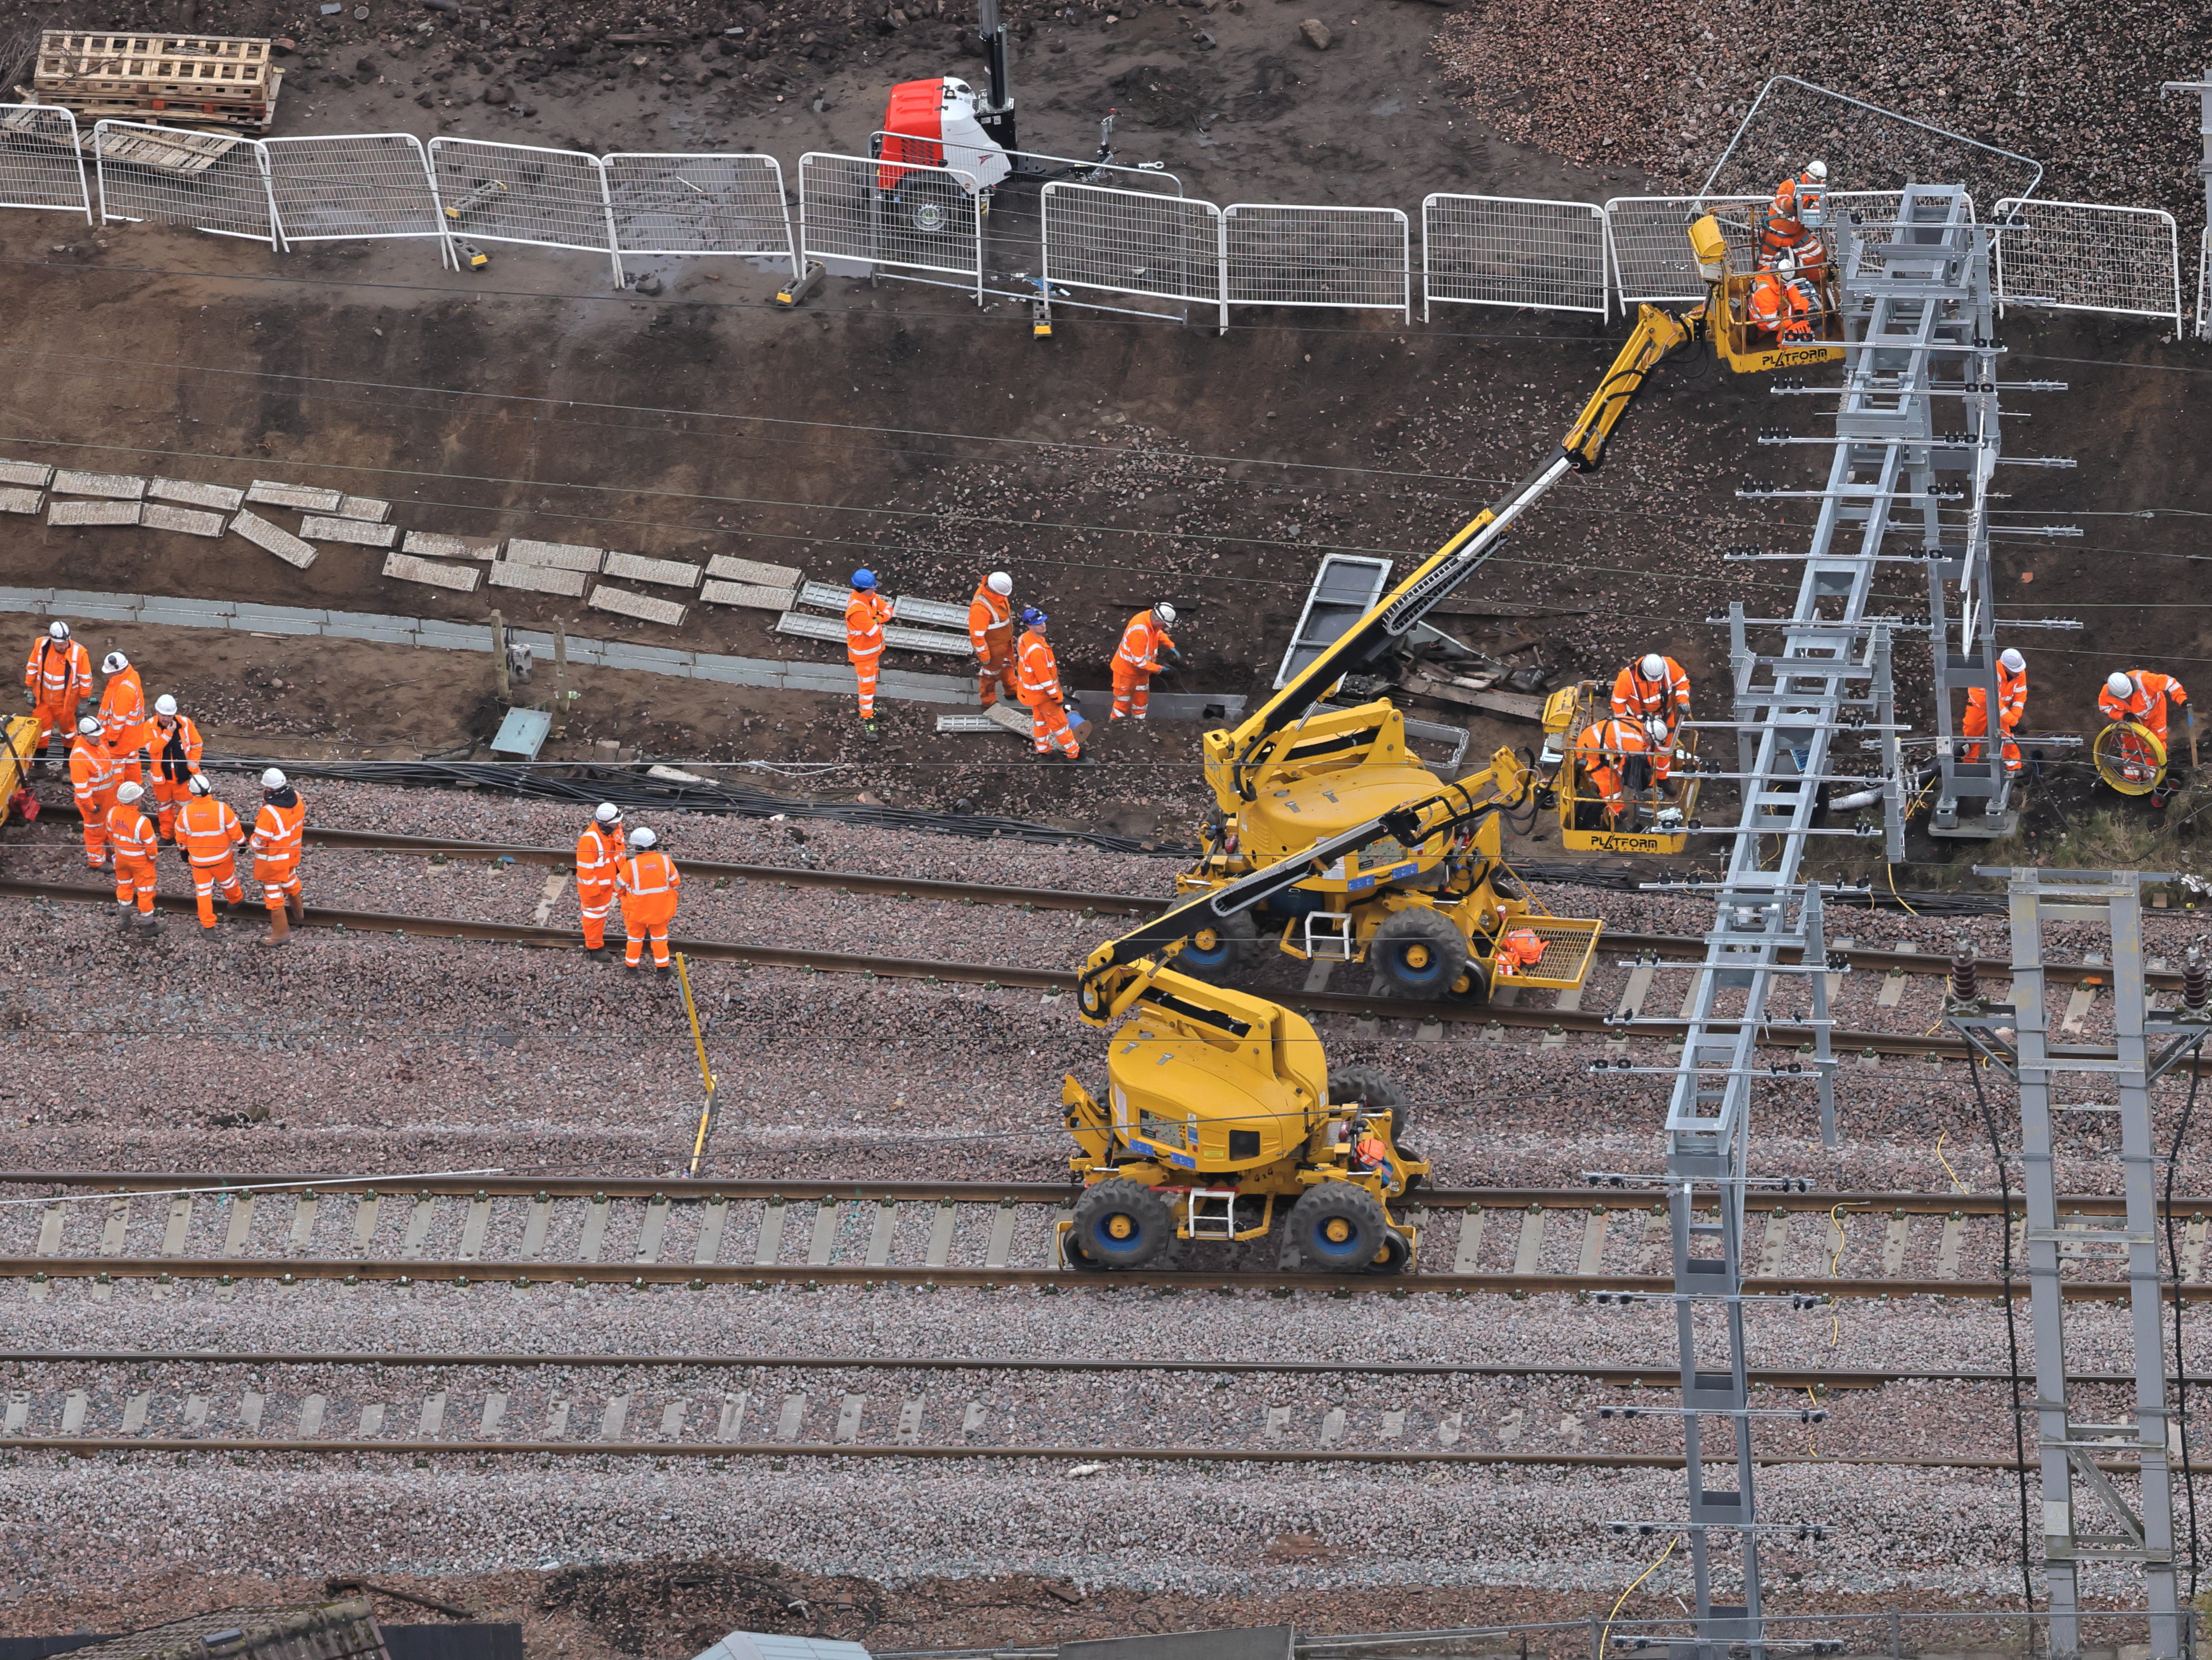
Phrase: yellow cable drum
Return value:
(2130, 757)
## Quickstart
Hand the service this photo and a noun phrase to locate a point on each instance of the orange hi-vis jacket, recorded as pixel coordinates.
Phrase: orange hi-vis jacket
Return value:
(651, 878)
(597, 853)
(1040, 682)
(1140, 651)
(176, 754)
(1635, 697)
(2147, 704)
(2012, 695)
(122, 711)
(865, 613)
(209, 829)
(1785, 221)
(278, 833)
(93, 771)
(131, 832)
(58, 673)
(990, 623)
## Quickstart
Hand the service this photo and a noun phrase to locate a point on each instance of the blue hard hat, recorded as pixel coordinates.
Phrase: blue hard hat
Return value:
(1034, 618)
(864, 578)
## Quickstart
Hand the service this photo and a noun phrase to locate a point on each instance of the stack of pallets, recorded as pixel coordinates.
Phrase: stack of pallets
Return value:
(221, 81)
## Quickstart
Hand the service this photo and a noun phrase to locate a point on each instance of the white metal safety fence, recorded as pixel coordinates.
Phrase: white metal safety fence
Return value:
(859, 215)
(1512, 251)
(209, 181)
(700, 204)
(352, 186)
(1281, 255)
(2081, 256)
(1107, 240)
(42, 161)
(544, 199)
(1647, 239)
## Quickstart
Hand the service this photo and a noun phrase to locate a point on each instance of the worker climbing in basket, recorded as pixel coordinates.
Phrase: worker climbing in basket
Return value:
(1785, 304)
(93, 774)
(1050, 729)
(647, 882)
(136, 842)
(991, 632)
(1654, 692)
(210, 834)
(865, 613)
(598, 854)
(1793, 221)
(1145, 645)
(2012, 704)
(123, 716)
(175, 747)
(2138, 697)
(57, 679)
(1614, 756)
(279, 831)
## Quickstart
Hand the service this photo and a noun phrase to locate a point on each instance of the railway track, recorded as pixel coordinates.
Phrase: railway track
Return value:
(522, 1230)
(1431, 1018)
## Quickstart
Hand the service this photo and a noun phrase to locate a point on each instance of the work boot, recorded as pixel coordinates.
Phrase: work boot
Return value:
(148, 923)
(295, 908)
(597, 953)
(280, 929)
(869, 727)
(664, 971)
(128, 913)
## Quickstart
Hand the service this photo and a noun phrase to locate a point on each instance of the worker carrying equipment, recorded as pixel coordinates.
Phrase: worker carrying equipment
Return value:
(991, 632)
(648, 881)
(1144, 642)
(1655, 693)
(598, 852)
(1040, 690)
(93, 774)
(175, 747)
(865, 613)
(2140, 695)
(57, 679)
(1615, 755)
(210, 834)
(279, 829)
(1793, 219)
(123, 715)
(2012, 704)
(132, 834)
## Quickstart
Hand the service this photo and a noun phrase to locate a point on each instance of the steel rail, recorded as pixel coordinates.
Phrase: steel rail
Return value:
(801, 1190)
(993, 977)
(697, 1276)
(1778, 1377)
(1667, 947)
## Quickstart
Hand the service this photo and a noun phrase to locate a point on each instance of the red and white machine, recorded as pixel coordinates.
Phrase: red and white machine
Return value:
(935, 124)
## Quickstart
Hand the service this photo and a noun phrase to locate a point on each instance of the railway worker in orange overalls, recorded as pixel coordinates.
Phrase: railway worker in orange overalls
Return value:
(123, 715)
(279, 831)
(93, 775)
(1605, 752)
(173, 745)
(648, 881)
(991, 632)
(865, 613)
(1144, 642)
(598, 852)
(210, 833)
(2140, 695)
(57, 678)
(1795, 200)
(1654, 689)
(134, 838)
(2012, 704)
(1042, 691)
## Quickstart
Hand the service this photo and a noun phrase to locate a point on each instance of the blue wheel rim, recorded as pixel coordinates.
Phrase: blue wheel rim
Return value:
(1218, 957)
(1105, 1246)
(1432, 975)
(1355, 1247)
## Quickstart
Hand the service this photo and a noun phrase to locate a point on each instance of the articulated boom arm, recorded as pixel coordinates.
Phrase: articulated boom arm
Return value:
(1658, 334)
(1119, 970)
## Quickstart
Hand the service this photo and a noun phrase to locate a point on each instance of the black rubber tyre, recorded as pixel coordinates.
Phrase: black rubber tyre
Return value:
(1120, 1224)
(1472, 985)
(1216, 955)
(1377, 1089)
(1419, 952)
(928, 207)
(1396, 1253)
(1335, 1228)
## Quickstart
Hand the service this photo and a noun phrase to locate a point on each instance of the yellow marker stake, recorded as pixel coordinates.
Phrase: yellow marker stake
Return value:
(706, 1073)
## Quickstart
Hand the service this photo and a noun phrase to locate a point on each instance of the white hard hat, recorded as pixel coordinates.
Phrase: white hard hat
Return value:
(114, 663)
(643, 837)
(199, 785)
(129, 792)
(999, 583)
(2012, 660)
(606, 814)
(1818, 169)
(57, 630)
(89, 728)
(1785, 263)
(1653, 667)
(272, 780)
(1165, 612)
(2120, 685)
(164, 704)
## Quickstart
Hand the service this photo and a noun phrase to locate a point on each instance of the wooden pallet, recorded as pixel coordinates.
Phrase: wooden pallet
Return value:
(204, 78)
